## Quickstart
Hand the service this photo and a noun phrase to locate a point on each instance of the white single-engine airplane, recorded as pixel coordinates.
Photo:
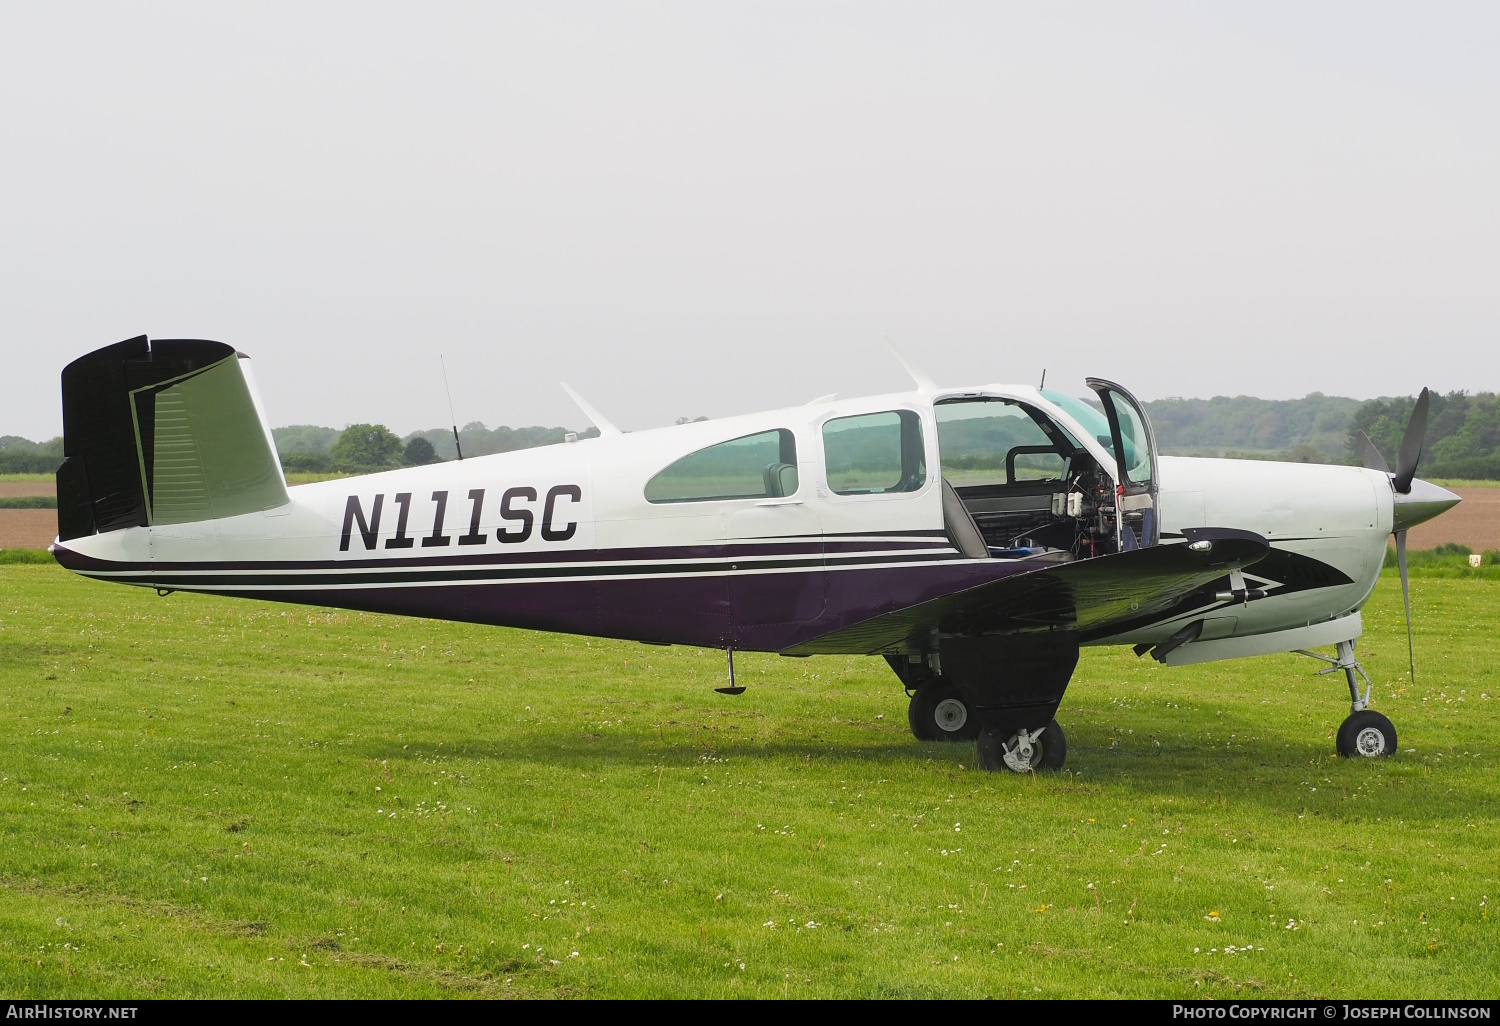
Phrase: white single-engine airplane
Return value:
(975, 537)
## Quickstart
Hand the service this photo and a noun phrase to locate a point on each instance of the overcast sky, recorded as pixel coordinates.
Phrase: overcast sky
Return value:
(712, 207)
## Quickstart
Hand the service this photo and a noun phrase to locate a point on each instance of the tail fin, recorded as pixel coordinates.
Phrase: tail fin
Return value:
(164, 432)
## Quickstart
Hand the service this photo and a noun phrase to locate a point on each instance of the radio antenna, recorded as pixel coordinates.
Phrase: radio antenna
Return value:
(456, 446)
(1044, 380)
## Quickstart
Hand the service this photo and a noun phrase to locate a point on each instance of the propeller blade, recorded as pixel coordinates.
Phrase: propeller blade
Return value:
(1370, 456)
(1411, 445)
(1406, 598)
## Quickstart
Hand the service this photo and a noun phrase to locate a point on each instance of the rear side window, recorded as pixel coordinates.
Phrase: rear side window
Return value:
(759, 466)
(875, 453)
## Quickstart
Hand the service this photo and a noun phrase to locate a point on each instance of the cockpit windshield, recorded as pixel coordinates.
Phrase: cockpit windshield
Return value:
(1095, 423)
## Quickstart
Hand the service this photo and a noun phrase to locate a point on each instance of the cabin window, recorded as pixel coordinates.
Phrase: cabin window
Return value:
(875, 453)
(759, 466)
(986, 442)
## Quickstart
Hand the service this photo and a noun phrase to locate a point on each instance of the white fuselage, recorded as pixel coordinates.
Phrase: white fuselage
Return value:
(555, 506)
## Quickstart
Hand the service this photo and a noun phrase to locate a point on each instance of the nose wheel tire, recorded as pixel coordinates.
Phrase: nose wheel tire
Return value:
(1021, 752)
(1366, 734)
(938, 713)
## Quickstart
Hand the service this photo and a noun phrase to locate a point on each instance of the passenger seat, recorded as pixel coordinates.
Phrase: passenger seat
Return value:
(959, 523)
(781, 480)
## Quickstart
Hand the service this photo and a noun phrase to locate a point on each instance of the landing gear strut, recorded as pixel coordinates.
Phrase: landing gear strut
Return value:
(1365, 733)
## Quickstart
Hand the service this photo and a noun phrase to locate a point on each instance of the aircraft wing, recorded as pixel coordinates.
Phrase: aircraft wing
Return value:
(1087, 595)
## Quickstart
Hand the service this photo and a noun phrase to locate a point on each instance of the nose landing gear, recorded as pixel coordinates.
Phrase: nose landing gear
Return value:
(1365, 733)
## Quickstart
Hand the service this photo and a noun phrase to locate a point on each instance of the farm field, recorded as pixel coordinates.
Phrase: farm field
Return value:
(1475, 522)
(207, 797)
(27, 528)
(21, 484)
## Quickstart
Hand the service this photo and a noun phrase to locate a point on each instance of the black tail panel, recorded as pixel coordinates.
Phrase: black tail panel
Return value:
(75, 507)
(101, 485)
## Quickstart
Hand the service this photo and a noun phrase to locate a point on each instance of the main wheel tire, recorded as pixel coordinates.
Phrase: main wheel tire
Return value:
(990, 748)
(1049, 751)
(938, 713)
(1366, 734)
(1054, 746)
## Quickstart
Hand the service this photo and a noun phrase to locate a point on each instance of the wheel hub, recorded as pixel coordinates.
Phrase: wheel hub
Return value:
(1021, 752)
(951, 715)
(1370, 742)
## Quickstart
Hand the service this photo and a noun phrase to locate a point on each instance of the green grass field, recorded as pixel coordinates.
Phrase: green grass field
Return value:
(203, 797)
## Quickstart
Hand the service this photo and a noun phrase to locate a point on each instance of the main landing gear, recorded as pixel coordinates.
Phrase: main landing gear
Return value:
(1365, 733)
(1024, 751)
(939, 713)
(937, 710)
(1000, 692)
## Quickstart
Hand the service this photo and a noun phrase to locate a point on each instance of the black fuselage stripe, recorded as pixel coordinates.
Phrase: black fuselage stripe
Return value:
(757, 554)
(165, 578)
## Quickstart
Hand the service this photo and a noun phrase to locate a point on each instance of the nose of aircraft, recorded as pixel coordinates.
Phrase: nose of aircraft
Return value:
(1425, 501)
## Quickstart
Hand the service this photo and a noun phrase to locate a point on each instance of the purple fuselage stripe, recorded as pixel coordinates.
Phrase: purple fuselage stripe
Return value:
(767, 612)
(751, 606)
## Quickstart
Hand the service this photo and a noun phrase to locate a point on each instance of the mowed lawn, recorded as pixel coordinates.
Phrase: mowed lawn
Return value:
(206, 797)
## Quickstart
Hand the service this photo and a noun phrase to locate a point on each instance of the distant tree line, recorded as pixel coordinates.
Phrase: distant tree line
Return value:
(363, 448)
(357, 449)
(22, 456)
(1463, 436)
(1463, 430)
(1313, 429)
(1463, 433)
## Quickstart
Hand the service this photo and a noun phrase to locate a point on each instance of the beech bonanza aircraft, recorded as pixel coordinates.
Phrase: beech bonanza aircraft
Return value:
(975, 537)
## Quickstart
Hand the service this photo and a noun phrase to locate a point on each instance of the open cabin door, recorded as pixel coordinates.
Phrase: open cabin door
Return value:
(1134, 448)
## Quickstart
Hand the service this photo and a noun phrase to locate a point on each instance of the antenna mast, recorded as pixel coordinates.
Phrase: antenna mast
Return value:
(457, 447)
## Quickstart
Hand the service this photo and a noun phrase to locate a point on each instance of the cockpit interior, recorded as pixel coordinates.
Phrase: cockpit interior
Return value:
(1016, 485)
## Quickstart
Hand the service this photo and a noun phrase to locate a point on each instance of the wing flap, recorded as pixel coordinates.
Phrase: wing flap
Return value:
(1085, 595)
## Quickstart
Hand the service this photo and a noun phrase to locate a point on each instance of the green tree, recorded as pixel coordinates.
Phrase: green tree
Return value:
(304, 438)
(419, 452)
(23, 456)
(363, 448)
(1462, 440)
